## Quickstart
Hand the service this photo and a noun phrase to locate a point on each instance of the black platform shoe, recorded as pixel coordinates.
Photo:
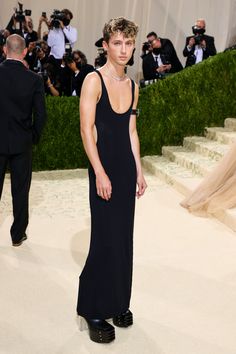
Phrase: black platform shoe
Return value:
(100, 331)
(123, 320)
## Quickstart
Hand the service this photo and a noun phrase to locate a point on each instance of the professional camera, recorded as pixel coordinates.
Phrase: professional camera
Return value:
(146, 46)
(101, 57)
(198, 34)
(56, 17)
(20, 13)
(68, 58)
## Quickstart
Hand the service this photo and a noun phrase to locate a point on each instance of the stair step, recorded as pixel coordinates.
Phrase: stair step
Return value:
(180, 178)
(206, 147)
(183, 167)
(199, 164)
(184, 181)
(221, 135)
(230, 123)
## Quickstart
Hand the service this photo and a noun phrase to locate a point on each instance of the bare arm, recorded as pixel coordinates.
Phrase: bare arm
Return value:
(88, 100)
(142, 185)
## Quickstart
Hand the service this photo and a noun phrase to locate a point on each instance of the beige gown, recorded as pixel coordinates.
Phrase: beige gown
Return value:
(217, 191)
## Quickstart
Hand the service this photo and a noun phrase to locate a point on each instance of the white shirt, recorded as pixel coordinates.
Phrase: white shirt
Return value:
(198, 52)
(157, 59)
(56, 40)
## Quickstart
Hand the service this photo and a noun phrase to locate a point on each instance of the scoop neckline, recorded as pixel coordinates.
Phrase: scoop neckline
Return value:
(118, 113)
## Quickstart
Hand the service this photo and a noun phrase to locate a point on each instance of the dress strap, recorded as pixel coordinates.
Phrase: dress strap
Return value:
(133, 90)
(99, 74)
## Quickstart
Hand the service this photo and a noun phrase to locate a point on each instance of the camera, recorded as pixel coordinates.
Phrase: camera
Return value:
(37, 48)
(101, 57)
(146, 46)
(198, 34)
(56, 17)
(20, 13)
(68, 58)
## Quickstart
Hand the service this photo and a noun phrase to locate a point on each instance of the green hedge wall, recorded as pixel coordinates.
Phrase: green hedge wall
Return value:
(60, 146)
(184, 104)
(181, 105)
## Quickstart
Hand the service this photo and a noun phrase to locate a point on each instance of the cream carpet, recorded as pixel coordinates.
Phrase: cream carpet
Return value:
(184, 288)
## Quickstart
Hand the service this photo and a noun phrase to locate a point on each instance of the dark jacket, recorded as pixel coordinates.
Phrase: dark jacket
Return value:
(29, 37)
(22, 103)
(168, 55)
(209, 51)
(71, 82)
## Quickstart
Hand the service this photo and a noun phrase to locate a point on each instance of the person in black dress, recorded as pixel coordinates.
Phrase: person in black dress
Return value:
(108, 129)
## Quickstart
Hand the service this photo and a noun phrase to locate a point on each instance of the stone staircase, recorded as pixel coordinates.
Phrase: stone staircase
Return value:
(184, 167)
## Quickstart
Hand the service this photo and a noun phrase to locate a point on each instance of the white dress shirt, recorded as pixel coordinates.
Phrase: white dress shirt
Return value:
(157, 59)
(198, 52)
(56, 40)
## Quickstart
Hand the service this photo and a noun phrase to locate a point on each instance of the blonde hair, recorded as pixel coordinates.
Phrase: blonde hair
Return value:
(119, 24)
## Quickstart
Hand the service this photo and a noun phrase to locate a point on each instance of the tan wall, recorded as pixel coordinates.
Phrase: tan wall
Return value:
(169, 18)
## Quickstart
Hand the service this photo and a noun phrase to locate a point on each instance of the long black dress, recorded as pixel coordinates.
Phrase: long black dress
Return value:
(105, 282)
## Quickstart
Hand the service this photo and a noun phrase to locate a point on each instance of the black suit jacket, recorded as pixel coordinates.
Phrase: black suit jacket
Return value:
(22, 107)
(168, 55)
(209, 51)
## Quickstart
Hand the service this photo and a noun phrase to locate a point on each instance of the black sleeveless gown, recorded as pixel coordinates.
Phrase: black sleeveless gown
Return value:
(105, 282)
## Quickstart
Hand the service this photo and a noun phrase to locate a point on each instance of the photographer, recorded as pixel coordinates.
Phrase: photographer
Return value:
(147, 47)
(61, 33)
(199, 46)
(72, 81)
(21, 23)
(161, 59)
(51, 81)
(37, 55)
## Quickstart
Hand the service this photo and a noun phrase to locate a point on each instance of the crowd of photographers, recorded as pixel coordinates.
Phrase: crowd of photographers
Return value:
(160, 58)
(51, 54)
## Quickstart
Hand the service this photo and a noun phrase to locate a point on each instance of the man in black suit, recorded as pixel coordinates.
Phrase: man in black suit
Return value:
(161, 59)
(21, 93)
(199, 46)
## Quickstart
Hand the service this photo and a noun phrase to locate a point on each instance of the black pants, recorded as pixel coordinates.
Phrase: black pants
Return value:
(20, 166)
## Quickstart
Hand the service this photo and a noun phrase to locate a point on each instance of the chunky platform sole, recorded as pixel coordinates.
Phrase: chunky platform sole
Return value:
(123, 320)
(99, 330)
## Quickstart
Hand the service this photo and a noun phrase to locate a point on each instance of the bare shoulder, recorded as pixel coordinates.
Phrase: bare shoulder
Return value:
(92, 79)
(92, 84)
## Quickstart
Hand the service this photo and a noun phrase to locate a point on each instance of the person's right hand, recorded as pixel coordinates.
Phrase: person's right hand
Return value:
(191, 42)
(163, 68)
(103, 185)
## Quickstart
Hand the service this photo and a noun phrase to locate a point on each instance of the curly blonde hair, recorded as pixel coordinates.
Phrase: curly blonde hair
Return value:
(119, 24)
